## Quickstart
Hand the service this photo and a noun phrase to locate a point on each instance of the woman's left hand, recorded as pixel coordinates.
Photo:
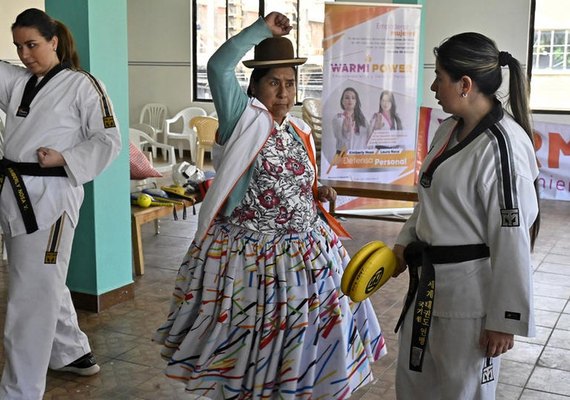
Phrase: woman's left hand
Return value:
(48, 158)
(326, 193)
(496, 343)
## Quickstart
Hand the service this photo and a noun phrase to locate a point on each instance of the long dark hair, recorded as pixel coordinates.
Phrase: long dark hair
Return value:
(396, 121)
(477, 56)
(48, 28)
(358, 115)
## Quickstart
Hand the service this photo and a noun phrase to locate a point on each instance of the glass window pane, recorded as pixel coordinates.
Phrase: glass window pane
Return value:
(210, 31)
(306, 16)
(558, 58)
(558, 37)
(312, 16)
(546, 38)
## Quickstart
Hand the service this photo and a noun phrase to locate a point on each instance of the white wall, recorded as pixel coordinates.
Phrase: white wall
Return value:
(9, 10)
(505, 21)
(159, 55)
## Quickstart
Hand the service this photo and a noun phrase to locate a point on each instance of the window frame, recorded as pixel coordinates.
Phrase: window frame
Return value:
(530, 62)
(262, 12)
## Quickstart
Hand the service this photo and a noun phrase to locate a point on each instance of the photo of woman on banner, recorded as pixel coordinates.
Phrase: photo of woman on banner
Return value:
(350, 127)
(387, 117)
(384, 122)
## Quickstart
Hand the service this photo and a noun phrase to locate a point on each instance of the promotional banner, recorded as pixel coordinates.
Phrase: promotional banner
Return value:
(370, 70)
(369, 100)
(551, 142)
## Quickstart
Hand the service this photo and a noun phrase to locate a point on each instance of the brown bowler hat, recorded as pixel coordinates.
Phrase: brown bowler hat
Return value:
(274, 52)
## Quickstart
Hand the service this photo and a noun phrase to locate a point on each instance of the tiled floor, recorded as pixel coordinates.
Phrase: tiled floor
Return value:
(537, 368)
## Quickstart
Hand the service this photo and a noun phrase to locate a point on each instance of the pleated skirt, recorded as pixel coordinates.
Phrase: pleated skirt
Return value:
(258, 316)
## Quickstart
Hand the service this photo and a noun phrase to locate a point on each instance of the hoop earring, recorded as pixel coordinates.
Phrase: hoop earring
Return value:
(463, 95)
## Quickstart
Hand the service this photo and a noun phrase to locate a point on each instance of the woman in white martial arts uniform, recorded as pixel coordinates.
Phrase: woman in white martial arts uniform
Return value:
(472, 232)
(60, 134)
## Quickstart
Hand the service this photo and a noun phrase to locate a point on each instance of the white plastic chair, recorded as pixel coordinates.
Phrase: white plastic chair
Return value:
(142, 140)
(154, 115)
(187, 132)
(150, 131)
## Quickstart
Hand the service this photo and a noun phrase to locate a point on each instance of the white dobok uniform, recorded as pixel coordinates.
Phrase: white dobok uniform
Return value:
(479, 191)
(73, 115)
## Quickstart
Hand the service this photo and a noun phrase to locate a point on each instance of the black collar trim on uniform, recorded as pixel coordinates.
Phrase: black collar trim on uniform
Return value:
(31, 89)
(494, 116)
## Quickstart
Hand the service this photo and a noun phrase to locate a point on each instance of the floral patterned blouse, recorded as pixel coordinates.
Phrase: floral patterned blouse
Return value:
(279, 198)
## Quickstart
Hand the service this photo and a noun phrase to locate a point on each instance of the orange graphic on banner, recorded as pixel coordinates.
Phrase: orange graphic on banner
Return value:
(404, 159)
(342, 17)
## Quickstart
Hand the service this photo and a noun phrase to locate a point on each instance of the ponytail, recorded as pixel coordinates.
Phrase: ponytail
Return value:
(66, 51)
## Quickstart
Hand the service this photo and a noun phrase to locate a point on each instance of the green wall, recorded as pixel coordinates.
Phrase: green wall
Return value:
(102, 256)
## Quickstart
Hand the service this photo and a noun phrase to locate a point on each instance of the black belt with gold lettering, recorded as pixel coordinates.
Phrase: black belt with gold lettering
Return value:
(420, 254)
(14, 171)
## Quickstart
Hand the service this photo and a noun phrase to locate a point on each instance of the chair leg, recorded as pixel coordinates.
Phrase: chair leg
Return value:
(200, 158)
(193, 152)
(180, 151)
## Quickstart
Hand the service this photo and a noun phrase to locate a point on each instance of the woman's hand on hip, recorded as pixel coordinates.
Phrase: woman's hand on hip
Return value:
(278, 23)
(50, 158)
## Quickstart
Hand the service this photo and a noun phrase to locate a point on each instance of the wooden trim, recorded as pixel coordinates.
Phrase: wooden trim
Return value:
(373, 190)
(97, 303)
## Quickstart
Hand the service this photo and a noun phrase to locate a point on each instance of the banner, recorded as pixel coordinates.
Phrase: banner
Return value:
(552, 145)
(369, 100)
(551, 142)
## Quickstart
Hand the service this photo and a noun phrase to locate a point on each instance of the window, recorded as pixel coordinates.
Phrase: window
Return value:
(550, 80)
(551, 50)
(218, 20)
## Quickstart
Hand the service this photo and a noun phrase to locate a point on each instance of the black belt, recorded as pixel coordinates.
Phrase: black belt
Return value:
(14, 171)
(421, 254)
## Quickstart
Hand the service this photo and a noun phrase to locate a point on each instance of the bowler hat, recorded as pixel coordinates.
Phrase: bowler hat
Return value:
(274, 52)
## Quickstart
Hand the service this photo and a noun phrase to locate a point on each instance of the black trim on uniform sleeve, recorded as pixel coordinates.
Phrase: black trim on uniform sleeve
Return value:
(506, 182)
(108, 119)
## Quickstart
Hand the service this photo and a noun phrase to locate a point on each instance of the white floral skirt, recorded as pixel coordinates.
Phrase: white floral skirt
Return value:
(258, 316)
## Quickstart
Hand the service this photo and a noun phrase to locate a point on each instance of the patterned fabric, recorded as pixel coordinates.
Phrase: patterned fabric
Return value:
(140, 166)
(258, 316)
(279, 198)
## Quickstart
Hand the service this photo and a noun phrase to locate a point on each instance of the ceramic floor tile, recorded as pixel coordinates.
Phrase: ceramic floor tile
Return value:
(514, 373)
(508, 392)
(542, 335)
(564, 322)
(562, 269)
(536, 395)
(557, 258)
(546, 318)
(549, 290)
(560, 338)
(527, 353)
(551, 279)
(553, 357)
(550, 381)
(549, 303)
